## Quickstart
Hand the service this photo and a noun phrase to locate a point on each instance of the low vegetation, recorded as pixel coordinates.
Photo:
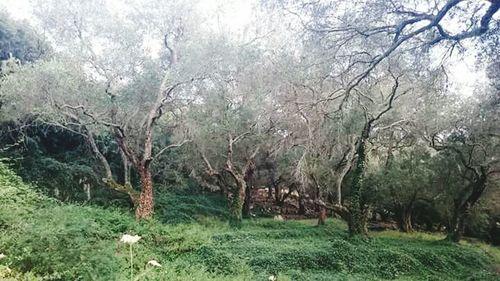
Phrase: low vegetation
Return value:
(44, 239)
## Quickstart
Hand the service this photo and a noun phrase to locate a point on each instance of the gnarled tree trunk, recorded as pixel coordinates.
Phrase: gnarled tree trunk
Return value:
(462, 208)
(405, 220)
(357, 219)
(236, 204)
(108, 179)
(358, 212)
(145, 207)
(405, 214)
(302, 206)
(238, 193)
(322, 215)
(247, 204)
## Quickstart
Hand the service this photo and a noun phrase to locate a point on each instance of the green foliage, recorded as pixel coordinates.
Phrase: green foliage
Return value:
(75, 246)
(58, 161)
(408, 174)
(178, 207)
(479, 224)
(42, 237)
(306, 252)
(16, 198)
(19, 39)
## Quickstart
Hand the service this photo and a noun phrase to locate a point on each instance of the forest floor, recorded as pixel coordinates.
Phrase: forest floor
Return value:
(43, 239)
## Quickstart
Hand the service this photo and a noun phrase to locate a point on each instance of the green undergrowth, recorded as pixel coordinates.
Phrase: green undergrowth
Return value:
(47, 240)
(187, 207)
(305, 252)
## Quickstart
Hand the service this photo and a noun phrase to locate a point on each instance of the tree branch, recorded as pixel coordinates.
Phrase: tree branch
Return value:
(169, 147)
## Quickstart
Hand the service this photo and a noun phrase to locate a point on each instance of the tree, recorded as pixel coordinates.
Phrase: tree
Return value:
(404, 180)
(465, 133)
(404, 28)
(228, 130)
(20, 41)
(473, 144)
(119, 74)
(358, 43)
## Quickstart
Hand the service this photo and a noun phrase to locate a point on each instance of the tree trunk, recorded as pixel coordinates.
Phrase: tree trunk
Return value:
(273, 184)
(86, 188)
(358, 222)
(302, 207)
(408, 225)
(405, 221)
(236, 208)
(456, 230)
(220, 182)
(277, 195)
(126, 168)
(145, 207)
(108, 179)
(405, 214)
(322, 215)
(248, 202)
(280, 202)
(345, 170)
(357, 216)
(358, 211)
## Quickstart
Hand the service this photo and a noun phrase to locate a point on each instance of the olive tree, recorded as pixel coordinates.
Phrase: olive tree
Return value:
(135, 90)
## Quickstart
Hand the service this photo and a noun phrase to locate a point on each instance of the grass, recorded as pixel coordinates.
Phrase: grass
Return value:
(46, 240)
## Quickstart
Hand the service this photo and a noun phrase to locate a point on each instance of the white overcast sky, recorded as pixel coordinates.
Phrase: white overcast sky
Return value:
(237, 13)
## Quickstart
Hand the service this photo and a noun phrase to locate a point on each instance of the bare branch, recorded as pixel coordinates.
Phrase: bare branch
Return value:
(170, 147)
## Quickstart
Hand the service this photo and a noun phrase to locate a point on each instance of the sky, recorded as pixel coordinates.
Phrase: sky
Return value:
(236, 13)
(462, 71)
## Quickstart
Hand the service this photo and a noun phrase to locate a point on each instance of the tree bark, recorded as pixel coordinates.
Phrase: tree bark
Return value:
(126, 168)
(277, 195)
(456, 230)
(405, 214)
(270, 192)
(357, 219)
(273, 182)
(340, 179)
(322, 215)
(108, 179)
(86, 188)
(236, 205)
(240, 178)
(302, 207)
(357, 209)
(145, 207)
(405, 221)
(247, 202)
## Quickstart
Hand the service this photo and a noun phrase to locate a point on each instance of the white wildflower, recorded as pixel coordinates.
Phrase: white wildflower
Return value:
(154, 263)
(278, 218)
(272, 278)
(2, 256)
(130, 239)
